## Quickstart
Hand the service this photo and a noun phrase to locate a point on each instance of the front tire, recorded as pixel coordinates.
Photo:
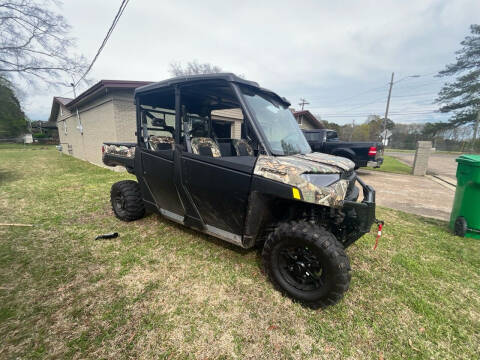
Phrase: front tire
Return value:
(307, 263)
(126, 200)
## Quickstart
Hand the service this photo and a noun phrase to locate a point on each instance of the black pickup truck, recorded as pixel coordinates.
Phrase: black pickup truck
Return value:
(361, 153)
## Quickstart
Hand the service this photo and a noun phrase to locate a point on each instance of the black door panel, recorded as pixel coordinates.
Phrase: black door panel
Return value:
(158, 172)
(219, 192)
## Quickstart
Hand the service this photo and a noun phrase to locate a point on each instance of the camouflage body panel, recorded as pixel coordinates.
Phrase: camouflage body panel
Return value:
(238, 144)
(341, 162)
(199, 142)
(288, 170)
(155, 140)
(120, 150)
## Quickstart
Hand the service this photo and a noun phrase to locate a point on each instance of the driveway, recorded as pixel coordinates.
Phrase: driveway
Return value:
(413, 194)
(443, 166)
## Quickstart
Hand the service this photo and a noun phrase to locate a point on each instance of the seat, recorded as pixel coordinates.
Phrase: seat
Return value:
(205, 146)
(226, 148)
(161, 142)
(242, 147)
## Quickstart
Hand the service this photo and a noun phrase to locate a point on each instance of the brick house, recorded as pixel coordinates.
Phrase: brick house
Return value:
(106, 113)
(306, 120)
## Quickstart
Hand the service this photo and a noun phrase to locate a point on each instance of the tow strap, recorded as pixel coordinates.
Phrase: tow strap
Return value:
(379, 232)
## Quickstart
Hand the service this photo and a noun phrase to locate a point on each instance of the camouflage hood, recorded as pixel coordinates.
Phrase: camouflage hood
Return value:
(288, 170)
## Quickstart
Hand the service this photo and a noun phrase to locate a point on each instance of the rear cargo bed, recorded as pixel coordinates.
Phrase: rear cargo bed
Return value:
(119, 154)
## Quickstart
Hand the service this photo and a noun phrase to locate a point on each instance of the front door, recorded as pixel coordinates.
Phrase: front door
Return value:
(219, 188)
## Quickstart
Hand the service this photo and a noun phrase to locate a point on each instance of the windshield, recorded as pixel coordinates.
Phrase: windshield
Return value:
(278, 124)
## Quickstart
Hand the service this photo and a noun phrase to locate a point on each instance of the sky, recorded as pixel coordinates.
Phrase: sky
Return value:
(338, 55)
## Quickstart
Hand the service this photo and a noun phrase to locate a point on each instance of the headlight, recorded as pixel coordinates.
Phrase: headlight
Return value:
(321, 179)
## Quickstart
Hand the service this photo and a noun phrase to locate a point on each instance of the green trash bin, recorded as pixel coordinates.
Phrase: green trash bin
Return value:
(465, 217)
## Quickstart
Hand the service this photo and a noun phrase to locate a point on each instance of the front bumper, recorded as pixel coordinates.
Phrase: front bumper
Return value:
(361, 215)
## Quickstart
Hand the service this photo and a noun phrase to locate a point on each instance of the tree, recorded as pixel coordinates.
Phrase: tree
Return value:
(462, 96)
(193, 68)
(375, 126)
(12, 118)
(34, 43)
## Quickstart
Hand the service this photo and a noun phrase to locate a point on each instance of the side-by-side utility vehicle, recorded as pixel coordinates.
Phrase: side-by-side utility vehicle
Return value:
(222, 155)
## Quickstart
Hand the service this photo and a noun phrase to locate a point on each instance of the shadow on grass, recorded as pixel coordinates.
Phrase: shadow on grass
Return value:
(222, 244)
(7, 176)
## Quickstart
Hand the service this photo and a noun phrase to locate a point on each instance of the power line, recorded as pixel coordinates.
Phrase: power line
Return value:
(376, 89)
(400, 111)
(123, 5)
(361, 104)
(373, 112)
(414, 86)
(414, 95)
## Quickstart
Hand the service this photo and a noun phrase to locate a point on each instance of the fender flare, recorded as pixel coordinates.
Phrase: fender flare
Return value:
(344, 152)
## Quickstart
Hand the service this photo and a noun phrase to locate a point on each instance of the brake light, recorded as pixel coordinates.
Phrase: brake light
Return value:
(372, 151)
(103, 149)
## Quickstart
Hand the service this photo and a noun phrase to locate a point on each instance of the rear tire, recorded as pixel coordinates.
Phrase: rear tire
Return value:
(126, 200)
(307, 263)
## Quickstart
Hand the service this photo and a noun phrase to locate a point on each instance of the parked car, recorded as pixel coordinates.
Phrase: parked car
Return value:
(361, 153)
(261, 186)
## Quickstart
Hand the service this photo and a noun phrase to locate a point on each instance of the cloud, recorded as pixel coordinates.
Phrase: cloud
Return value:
(324, 51)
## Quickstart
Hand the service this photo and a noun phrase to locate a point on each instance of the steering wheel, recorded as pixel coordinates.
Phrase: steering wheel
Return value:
(292, 136)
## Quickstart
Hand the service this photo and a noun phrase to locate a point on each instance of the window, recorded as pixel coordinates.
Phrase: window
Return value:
(314, 136)
(278, 124)
(331, 135)
(158, 128)
(157, 112)
(213, 121)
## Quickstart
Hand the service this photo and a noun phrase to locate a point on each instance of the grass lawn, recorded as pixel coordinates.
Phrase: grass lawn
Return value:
(436, 151)
(161, 291)
(400, 150)
(392, 165)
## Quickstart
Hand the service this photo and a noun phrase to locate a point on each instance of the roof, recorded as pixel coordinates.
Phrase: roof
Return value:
(91, 92)
(57, 101)
(104, 84)
(63, 100)
(230, 77)
(310, 116)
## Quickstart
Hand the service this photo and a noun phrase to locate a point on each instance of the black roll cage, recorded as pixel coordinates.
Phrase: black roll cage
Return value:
(234, 83)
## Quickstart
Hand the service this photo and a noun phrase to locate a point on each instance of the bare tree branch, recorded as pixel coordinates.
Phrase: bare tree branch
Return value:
(193, 68)
(34, 43)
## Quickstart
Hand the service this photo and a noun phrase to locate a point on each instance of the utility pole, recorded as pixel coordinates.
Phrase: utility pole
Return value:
(353, 129)
(386, 111)
(303, 102)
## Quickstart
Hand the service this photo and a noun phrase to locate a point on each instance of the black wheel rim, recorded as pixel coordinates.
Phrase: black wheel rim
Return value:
(301, 268)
